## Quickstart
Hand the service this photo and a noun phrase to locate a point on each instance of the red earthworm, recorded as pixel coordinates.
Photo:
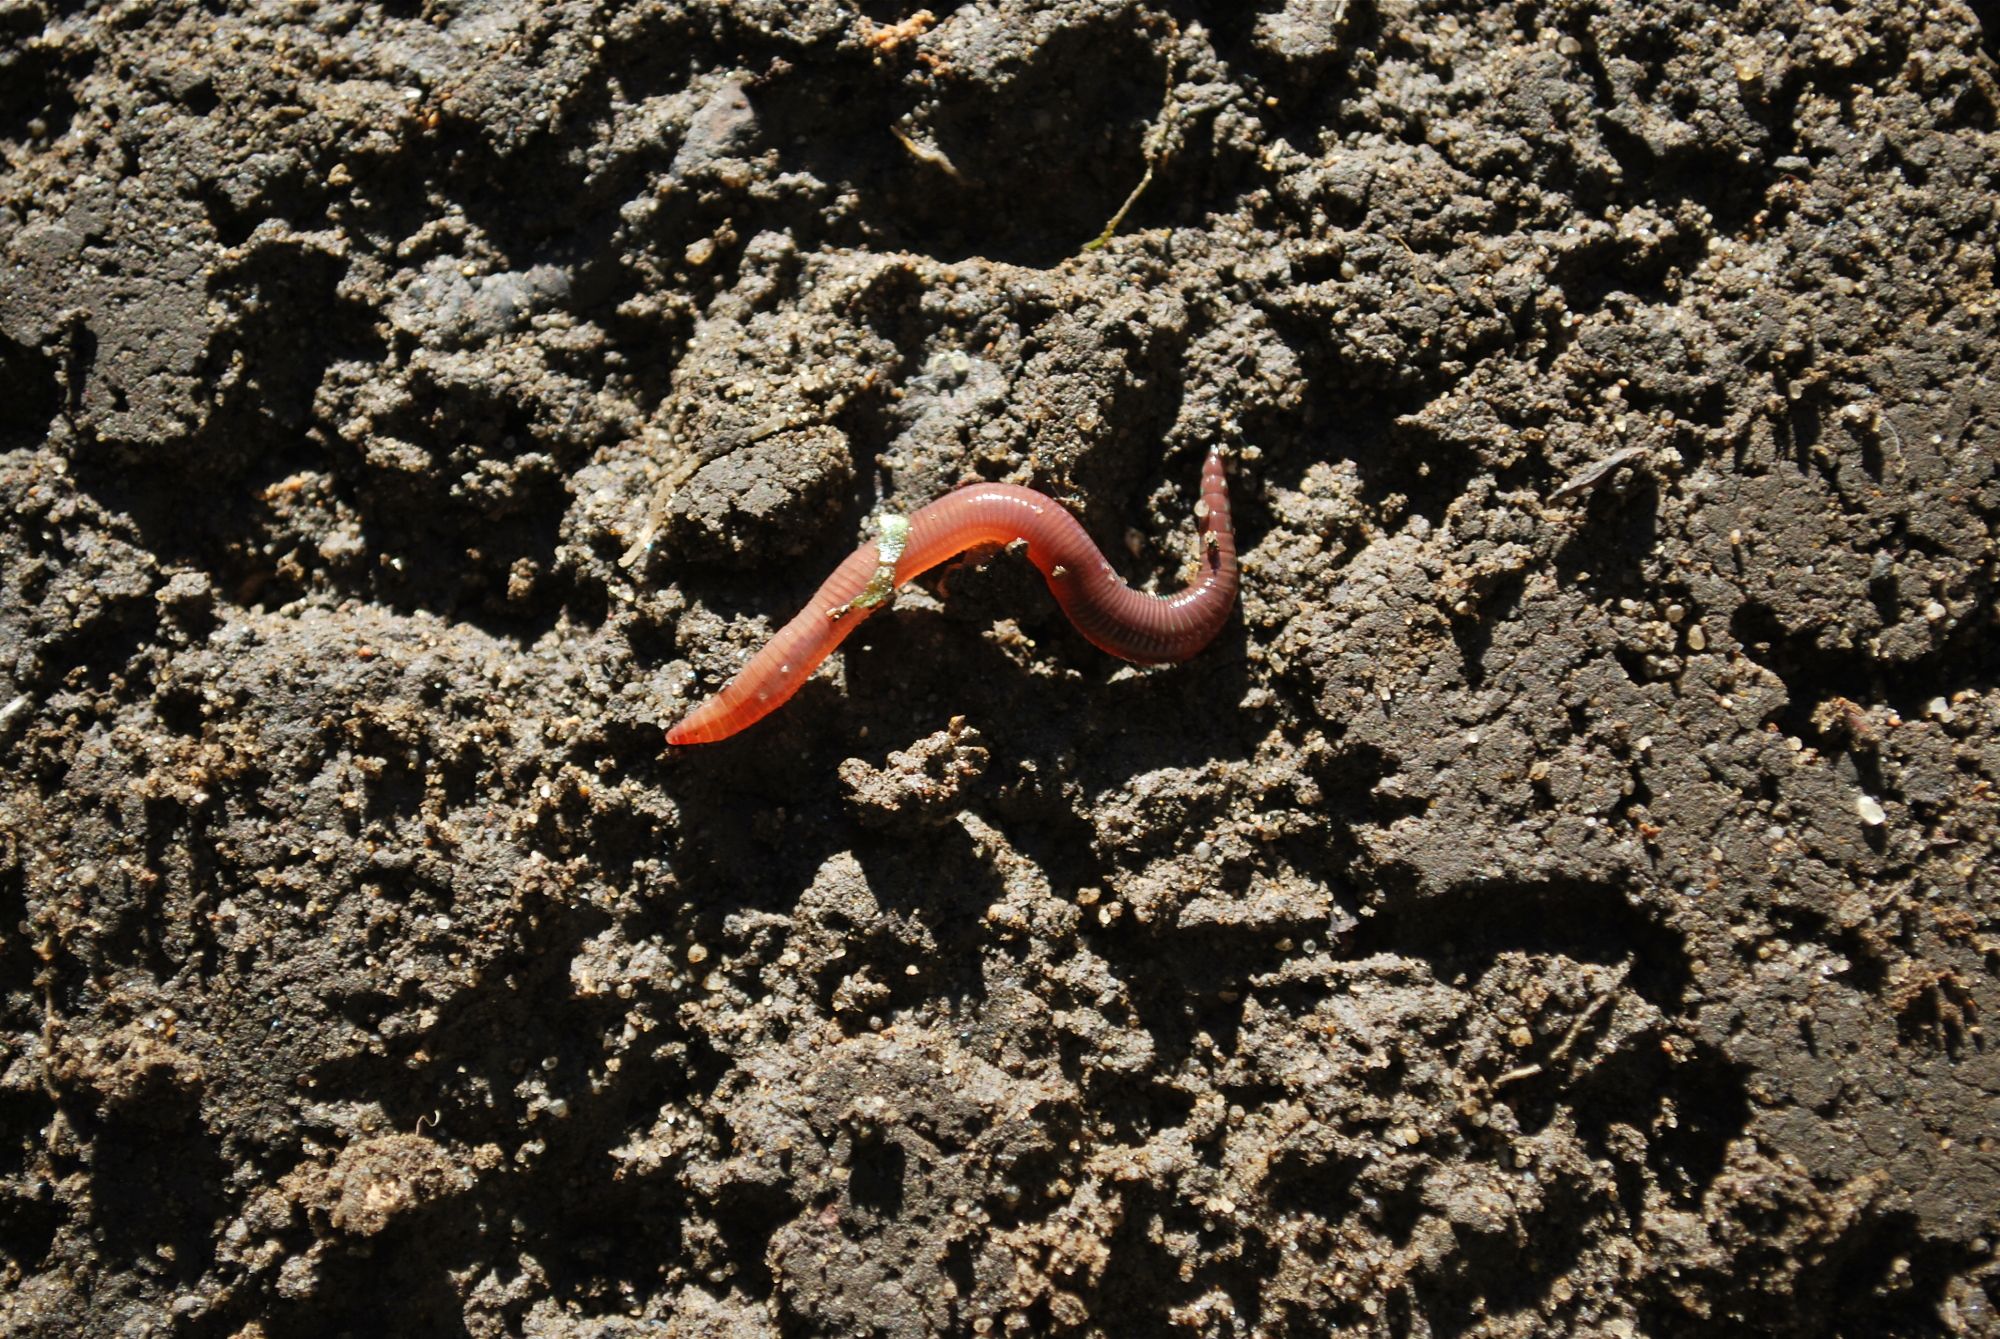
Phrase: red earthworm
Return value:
(1130, 624)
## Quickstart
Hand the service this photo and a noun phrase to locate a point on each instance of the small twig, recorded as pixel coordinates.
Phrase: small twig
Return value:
(1157, 146)
(1576, 1028)
(1599, 472)
(714, 448)
(930, 155)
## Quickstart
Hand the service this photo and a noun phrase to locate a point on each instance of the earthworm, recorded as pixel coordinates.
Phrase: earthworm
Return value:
(1130, 624)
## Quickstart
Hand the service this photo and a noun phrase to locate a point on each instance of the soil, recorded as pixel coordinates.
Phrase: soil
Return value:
(1564, 903)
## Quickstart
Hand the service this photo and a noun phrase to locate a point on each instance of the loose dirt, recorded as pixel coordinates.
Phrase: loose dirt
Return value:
(1564, 903)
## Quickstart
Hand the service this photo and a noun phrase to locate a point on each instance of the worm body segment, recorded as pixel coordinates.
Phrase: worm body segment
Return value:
(1130, 624)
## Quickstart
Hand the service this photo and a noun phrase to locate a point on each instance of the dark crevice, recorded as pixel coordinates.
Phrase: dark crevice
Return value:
(36, 79)
(1471, 924)
(30, 395)
(978, 177)
(1815, 674)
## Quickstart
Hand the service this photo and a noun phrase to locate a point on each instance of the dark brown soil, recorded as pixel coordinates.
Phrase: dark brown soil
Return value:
(1564, 903)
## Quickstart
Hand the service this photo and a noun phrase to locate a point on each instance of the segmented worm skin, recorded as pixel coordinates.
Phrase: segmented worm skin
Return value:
(1130, 624)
